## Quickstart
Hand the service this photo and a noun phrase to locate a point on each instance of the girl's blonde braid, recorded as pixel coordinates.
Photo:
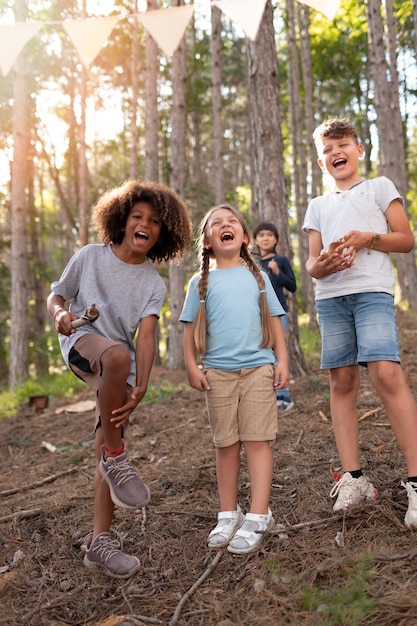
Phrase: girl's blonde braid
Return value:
(267, 332)
(200, 322)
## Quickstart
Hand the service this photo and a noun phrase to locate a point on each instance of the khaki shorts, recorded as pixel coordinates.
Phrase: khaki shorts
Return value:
(242, 405)
(85, 362)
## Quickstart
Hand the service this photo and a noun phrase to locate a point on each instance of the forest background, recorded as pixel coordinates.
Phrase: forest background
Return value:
(224, 119)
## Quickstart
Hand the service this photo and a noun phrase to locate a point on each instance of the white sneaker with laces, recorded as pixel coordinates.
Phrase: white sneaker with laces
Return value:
(350, 491)
(410, 519)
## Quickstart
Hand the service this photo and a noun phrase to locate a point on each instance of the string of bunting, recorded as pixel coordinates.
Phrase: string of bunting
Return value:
(166, 26)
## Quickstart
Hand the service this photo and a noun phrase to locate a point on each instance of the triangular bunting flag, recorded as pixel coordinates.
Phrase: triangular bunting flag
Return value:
(246, 13)
(13, 39)
(89, 35)
(328, 7)
(167, 26)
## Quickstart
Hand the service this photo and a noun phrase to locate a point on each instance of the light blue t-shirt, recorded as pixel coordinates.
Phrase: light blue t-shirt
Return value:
(234, 326)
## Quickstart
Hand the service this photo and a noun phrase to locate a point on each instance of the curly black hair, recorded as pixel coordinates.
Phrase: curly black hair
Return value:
(112, 209)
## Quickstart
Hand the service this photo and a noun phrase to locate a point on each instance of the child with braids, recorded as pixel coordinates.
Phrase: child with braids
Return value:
(140, 223)
(231, 318)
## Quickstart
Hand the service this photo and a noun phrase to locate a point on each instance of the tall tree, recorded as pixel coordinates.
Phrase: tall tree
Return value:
(19, 216)
(389, 122)
(269, 185)
(177, 182)
(151, 104)
(299, 153)
(216, 75)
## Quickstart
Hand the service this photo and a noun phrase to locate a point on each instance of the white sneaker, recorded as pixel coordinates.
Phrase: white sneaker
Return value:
(227, 524)
(252, 532)
(410, 519)
(350, 491)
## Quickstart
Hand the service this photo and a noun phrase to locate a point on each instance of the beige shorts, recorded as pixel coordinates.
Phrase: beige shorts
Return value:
(242, 405)
(85, 362)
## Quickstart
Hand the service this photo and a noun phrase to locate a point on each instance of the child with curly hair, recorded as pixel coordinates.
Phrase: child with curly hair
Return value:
(141, 224)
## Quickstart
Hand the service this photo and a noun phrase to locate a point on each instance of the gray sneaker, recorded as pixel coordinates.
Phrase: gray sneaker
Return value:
(105, 553)
(126, 488)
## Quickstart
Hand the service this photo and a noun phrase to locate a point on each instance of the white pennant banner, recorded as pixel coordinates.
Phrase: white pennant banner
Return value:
(89, 35)
(167, 26)
(13, 39)
(246, 13)
(328, 7)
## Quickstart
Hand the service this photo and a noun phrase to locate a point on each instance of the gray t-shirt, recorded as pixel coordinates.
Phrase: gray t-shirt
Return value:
(361, 208)
(123, 293)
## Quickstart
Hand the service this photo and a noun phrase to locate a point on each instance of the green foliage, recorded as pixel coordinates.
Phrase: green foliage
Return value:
(156, 393)
(348, 604)
(62, 383)
(310, 340)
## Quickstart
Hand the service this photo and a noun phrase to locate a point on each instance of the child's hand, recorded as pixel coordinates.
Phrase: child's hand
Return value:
(197, 380)
(63, 321)
(121, 415)
(281, 376)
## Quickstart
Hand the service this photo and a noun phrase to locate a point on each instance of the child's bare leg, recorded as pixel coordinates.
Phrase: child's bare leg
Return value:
(103, 504)
(389, 381)
(259, 461)
(344, 386)
(228, 468)
(111, 394)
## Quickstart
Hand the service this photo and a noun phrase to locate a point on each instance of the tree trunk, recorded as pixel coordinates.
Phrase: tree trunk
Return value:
(151, 104)
(314, 174)
(269, 188)
(19, 262)
(390, 127)
(177, 182)
(134, 85)
(216, 79)
(82, 154)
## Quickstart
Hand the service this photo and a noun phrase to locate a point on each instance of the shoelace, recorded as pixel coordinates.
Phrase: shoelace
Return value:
(122, 471)
(106, 548)
(341, 483)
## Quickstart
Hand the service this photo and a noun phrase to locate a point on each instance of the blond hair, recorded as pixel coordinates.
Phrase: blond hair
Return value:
(205, 255)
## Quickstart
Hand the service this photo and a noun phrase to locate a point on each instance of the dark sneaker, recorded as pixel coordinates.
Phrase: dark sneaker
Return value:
(126, 488)
(105, 554)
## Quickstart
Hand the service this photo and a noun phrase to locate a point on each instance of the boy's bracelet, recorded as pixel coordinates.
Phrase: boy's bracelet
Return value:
(375, 238)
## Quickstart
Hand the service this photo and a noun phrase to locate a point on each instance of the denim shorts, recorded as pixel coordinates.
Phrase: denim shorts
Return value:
(357, 328)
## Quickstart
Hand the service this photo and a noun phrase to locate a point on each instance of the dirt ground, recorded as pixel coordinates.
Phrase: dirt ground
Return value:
(316, 568)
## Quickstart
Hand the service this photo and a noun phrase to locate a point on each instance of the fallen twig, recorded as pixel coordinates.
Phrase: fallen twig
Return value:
(369, 413)
(323, 416)
(190, 592)
(21, 515)
(44, 481)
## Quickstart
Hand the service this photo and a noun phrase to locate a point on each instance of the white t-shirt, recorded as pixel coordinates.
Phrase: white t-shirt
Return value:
(124, 293)
(234, 327)
(361, 208)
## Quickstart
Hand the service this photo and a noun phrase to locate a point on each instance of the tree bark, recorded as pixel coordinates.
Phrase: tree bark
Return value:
(19, 235)
(390, 127)
(269, 187)
(216, 79)
(177, 182)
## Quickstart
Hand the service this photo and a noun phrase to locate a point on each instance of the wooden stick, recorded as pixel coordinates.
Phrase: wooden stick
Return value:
(190, 592)
(48, 479)
(368, 413)
(21, 515)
